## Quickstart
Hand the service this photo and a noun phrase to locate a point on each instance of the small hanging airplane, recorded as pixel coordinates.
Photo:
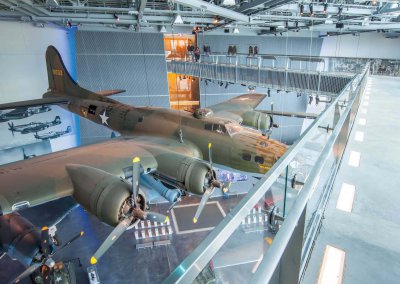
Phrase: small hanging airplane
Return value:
(53, 134)
(23, 112)
(174, 147)
(33, 127)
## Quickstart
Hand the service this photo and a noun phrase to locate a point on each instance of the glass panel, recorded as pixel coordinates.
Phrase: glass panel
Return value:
(233, 251)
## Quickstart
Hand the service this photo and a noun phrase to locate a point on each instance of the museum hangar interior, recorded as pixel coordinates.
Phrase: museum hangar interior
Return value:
(222, 141)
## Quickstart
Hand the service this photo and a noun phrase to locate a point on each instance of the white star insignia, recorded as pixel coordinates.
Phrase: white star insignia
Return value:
(104, 118)
(58, 279)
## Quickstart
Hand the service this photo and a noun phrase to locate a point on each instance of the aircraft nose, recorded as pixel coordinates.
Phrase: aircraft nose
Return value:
(280, 150)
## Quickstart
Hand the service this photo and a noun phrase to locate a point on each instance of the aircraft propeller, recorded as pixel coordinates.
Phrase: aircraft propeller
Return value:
(46, 262)
(131, 217)
(12, 127)
(274, 125)
(212, 184)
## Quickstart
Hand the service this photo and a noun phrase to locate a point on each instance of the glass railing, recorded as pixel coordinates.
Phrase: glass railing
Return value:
(267, 227)
(304, 63)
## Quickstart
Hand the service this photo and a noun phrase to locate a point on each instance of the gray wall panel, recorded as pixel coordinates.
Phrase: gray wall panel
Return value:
(134, 62)
(266, 44)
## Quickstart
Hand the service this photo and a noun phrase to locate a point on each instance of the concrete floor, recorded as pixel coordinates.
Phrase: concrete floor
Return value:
(370, 234)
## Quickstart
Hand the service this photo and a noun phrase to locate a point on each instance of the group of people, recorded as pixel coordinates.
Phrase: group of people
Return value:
(253, 51)
(194, 52)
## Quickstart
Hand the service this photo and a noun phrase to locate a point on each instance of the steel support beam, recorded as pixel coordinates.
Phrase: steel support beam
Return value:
(214, 9)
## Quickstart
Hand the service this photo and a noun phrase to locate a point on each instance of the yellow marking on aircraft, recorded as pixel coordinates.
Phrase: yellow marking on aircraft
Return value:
(268, 240)
(209, 145)
(57, 72)
(264, 167)
(45, 228)
(93, 260)
(136, 160)
(166, 219)
(82, 233)
(195, 220)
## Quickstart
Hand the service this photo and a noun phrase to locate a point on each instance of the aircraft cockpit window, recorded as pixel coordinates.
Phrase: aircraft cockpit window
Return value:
(246, 157)
(233, 128)
(219, 128)
(259, 160)
(92, 109)
(208, 126)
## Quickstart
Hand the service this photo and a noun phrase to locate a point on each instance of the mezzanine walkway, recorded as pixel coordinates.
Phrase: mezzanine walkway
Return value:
(365, 229)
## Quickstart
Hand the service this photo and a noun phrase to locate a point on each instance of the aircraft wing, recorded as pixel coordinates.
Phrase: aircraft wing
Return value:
(32, 103)
(42, 179)
(239, 104)
(234, 108)
(291, 114)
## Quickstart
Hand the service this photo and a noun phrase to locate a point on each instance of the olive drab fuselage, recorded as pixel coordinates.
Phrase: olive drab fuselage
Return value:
(233, 145)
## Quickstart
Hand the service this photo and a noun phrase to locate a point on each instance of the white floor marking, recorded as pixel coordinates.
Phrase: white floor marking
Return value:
(354, 159)
(362, 121)
(364, 110)
(365, 104)
(346, 197)
(366, 98)
(359, 136)
(332, 266)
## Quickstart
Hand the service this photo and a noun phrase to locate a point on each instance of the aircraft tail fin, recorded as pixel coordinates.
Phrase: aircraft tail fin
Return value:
(61, 82)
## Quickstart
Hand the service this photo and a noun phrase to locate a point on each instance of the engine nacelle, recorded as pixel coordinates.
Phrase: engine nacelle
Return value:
(19, 238)
(257, 120)
(101, 193)
(184, 172)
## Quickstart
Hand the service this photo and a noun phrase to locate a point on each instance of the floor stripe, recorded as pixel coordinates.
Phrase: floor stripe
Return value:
(359, 136)
(354, 159)
(362, 121)
(346, 197)
(332, 266)
(364, 110)
(365, 104)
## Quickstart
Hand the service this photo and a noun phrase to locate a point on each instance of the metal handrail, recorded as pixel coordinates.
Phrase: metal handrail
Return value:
(190, 267)
(273, 257)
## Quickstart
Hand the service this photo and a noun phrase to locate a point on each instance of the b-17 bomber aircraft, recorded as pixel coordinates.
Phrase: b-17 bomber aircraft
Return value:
(33, 127)
(174, 147)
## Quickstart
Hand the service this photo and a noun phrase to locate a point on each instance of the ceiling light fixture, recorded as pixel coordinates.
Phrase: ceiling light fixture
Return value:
(178, 20)
(228, 2)
(216, 20)
(236, 30)
(163, 29)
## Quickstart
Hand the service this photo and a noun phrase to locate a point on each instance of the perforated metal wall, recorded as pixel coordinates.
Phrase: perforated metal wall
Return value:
(134, 62)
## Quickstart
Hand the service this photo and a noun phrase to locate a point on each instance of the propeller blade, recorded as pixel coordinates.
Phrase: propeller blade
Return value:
(45, 241)
(173, 205)
(210, 154)
(27, 272)
(203, 202)
(157, 217)
(110, 240)
(135, 180)
(80, 234)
